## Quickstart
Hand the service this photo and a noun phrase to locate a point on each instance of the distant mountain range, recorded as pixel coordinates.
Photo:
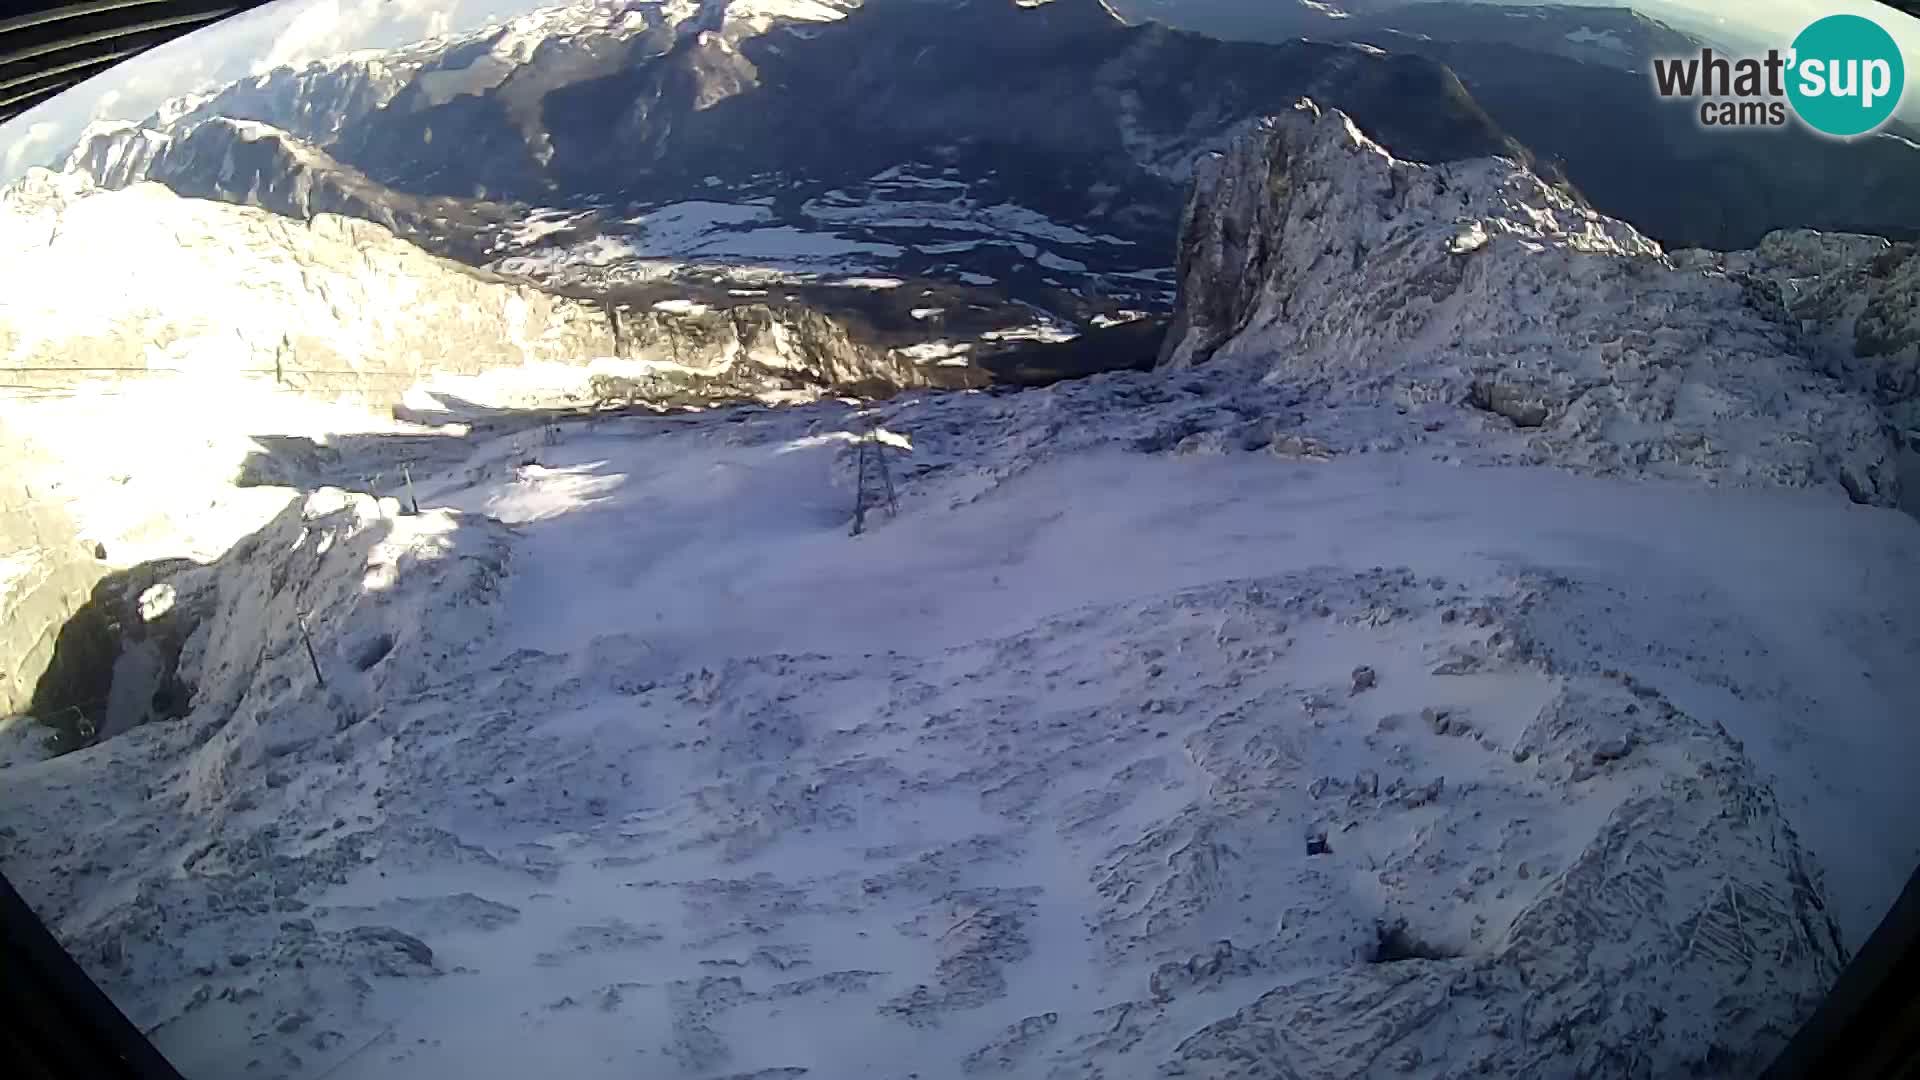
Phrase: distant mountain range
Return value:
(1573, 84)
(1035, 151)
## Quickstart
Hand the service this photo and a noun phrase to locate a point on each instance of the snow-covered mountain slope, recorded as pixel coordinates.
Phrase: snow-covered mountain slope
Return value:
(221, 288)
(1308, 706)
(743, 263)
(630, 759)
(333, 304)
(1310, 252)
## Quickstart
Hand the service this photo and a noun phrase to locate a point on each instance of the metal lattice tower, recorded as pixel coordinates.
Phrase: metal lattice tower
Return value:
(873, 482)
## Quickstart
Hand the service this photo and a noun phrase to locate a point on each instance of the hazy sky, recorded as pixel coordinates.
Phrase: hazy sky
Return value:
(287, 32)
(1770, 22)
(295, 31)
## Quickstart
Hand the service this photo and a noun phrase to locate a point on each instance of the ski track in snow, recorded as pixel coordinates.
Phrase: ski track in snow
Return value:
(1069, 771)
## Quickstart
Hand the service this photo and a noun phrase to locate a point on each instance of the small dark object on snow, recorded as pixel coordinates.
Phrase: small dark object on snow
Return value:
(1364, 679)
(372, 651)
(100, 551)
(306, 638)
(1394, 943)
(239, 959)
(1317, 844)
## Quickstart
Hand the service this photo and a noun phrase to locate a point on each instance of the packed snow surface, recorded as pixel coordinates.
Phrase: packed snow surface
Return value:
(1132, 743)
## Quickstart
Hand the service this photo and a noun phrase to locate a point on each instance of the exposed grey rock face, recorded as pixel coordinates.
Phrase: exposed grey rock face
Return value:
(1310, 253)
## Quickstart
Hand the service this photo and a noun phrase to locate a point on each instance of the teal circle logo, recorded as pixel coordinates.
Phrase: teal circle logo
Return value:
(1846, 75)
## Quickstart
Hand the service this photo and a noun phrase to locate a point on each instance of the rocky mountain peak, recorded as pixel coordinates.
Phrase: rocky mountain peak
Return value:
(1311, 253)
(1303, 203)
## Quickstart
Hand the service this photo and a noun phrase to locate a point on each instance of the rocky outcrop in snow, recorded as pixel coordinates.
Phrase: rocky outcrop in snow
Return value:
(379, 598)
(1855, 298)
(1310, 253)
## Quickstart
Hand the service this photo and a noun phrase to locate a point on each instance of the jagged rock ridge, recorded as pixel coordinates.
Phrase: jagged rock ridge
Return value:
(1310, 253)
